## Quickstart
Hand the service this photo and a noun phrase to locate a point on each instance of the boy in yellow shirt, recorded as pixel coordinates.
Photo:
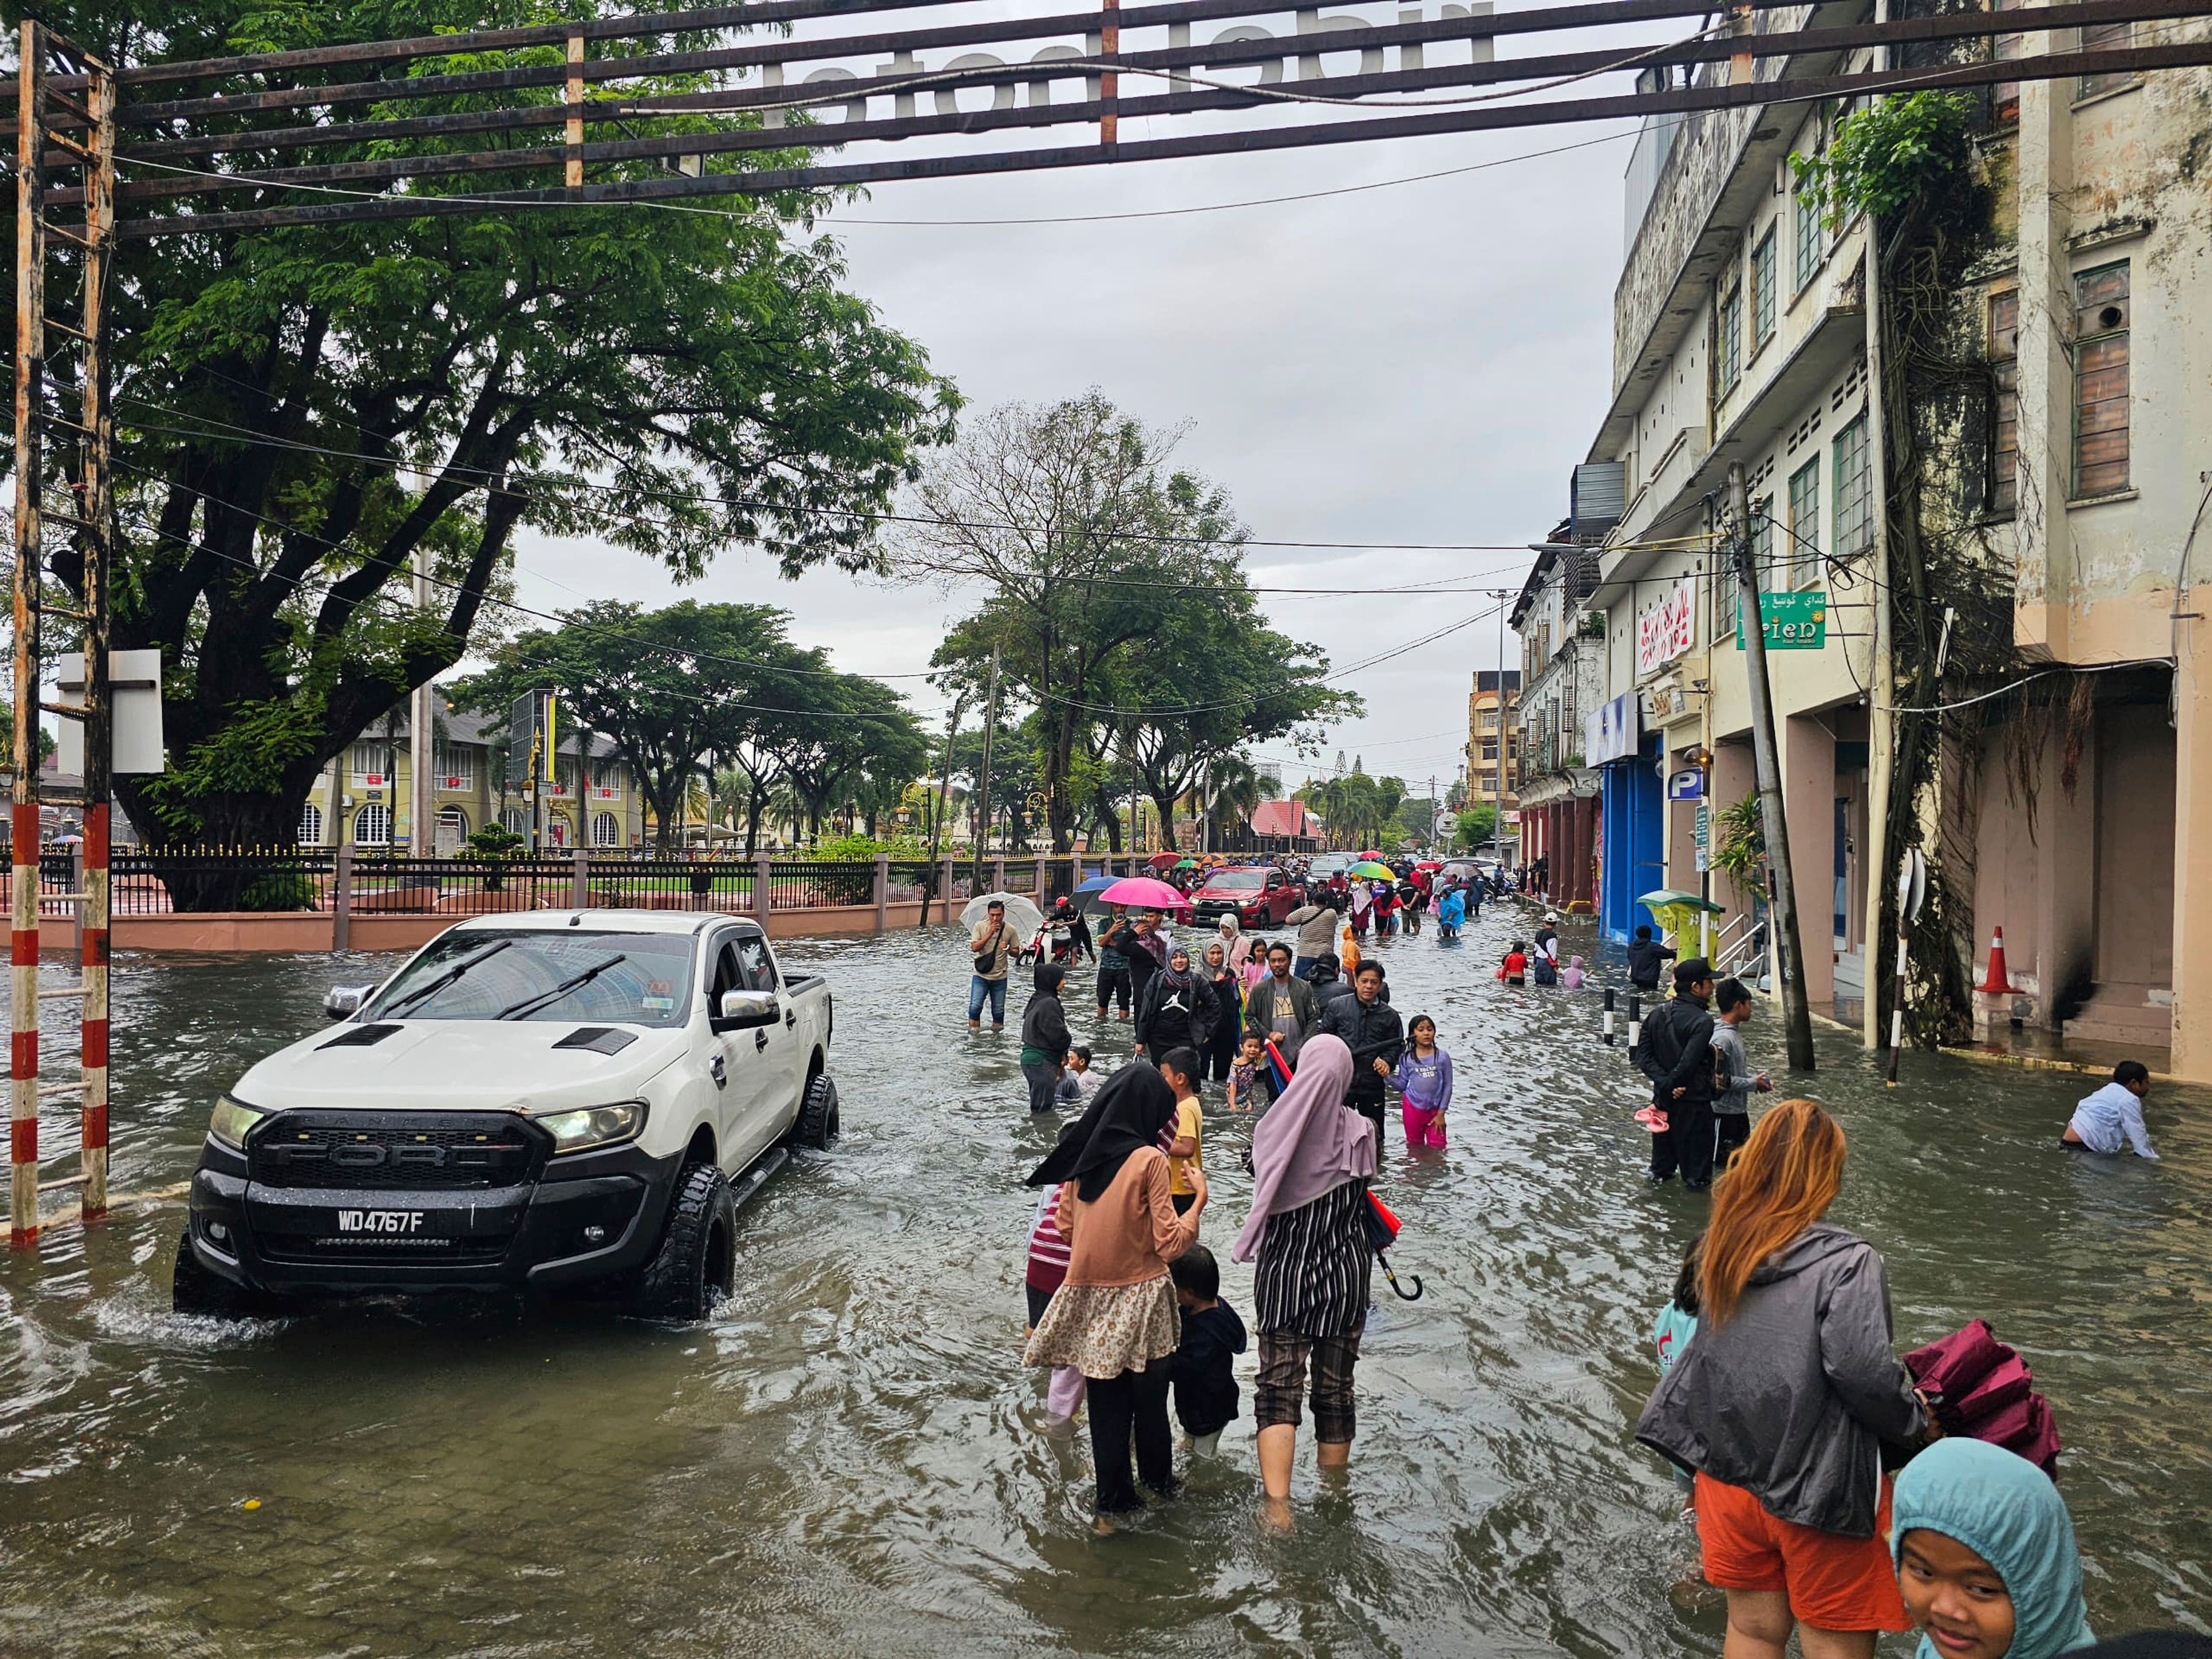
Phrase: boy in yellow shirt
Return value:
(1180, 1066)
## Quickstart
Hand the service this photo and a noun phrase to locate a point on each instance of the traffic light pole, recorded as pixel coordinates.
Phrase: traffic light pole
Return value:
(1796, 1012)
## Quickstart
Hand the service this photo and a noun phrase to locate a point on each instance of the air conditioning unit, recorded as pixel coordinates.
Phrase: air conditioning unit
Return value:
(1596, 497)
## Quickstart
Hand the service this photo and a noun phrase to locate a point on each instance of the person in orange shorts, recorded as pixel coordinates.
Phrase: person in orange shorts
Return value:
(1783, 1400)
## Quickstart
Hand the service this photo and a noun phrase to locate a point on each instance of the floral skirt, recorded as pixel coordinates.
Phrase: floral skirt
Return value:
(1102, 1330)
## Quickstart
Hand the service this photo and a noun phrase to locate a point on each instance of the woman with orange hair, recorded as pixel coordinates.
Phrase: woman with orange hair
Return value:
(1784, 1400)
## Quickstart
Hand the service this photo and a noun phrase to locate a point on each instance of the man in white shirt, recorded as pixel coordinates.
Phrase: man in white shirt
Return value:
(2113, 1117)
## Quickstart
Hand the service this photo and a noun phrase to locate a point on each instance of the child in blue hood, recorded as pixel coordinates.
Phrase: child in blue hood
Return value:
(1985, 1556)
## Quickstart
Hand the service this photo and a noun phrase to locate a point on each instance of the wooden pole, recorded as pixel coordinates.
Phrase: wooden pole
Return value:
(24, 897)
(98, 542)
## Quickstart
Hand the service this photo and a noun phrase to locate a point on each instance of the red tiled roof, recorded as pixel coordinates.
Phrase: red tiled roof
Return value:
(1286, 818)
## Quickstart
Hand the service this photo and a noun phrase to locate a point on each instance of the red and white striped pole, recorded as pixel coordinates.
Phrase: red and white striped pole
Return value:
(93, 953)
(23, 896)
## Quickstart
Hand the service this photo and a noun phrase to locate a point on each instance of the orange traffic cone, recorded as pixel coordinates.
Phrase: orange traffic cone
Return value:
(1996, 982)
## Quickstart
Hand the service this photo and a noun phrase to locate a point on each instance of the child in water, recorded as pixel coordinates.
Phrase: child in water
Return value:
(1514, 969)
(1425, 1083)
(1077, 1082)
(1671, 1332)
(1571, 975)
(1203, 1370)
(1247, 1079)
(1985, 1556)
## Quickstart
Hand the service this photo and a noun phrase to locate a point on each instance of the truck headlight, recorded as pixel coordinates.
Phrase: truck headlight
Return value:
(594, 1125)
(231, 1121)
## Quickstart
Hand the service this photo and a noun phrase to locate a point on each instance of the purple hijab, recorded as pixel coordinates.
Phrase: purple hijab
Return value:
(1310, 1142)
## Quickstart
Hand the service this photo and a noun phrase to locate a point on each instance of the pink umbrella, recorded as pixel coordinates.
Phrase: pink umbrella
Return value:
(1145, 893)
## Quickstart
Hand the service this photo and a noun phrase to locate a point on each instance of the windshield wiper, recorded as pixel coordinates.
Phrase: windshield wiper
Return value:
(530, 1004)
(443, 980)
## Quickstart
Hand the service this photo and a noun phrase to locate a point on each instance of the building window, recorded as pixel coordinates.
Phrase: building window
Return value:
(1490, 720)
(2101, 379)
(606, 830)
(453, 825)
(2004, 412)
(455, 767)
(512, 820)
(606, 778)
(311, 825)
(372, 763)
(1809, 236)
(372, 826)
(1762, 290)
(1805, 524)
(1727, 343)
(564, 777)
(2004, 96)
(1490, 750)
(1854, 491)
(2107, 37)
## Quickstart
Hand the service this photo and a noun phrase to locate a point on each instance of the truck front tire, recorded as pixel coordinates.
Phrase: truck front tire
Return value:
(817, 1124)
(195, 1290)
(694, 1266)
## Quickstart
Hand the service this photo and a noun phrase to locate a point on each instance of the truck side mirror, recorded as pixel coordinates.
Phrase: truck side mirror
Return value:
(344, 1001)
(741, 1010)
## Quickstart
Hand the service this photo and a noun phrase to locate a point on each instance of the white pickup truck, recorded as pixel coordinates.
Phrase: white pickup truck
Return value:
(544, 1101)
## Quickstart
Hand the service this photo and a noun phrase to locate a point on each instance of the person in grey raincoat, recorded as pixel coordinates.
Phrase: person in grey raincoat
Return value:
(1787, 1398)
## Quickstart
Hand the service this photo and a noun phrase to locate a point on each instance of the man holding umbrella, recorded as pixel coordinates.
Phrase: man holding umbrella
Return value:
(989, 944)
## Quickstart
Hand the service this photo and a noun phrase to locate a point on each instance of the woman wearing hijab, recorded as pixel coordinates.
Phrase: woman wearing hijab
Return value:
(1311, 1160)
(1115, 1317)
(1985, 1556)
(1177, 1009)
(1220, 1052)
(1231, 931)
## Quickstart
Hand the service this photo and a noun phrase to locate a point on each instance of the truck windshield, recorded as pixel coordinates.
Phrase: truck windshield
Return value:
(520, 974)
(1239, 881)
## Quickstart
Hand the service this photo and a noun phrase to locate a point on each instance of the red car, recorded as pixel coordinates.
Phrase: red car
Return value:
(1260, 897)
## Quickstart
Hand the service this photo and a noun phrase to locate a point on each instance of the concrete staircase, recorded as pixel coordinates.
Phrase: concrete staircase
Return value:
(2132, 1015)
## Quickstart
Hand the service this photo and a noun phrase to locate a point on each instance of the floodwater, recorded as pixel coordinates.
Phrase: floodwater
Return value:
(848, 1460)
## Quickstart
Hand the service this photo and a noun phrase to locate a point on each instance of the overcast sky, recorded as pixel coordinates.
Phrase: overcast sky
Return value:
(1416, 364)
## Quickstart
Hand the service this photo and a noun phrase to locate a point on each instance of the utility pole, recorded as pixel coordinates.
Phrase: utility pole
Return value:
(1796, 1013)
(1498, 823)
(422, 813)
(30, 465)
(983, 774)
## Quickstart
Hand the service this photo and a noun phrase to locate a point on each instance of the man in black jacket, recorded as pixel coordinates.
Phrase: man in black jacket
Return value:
(1677, 1054)
(1371, 1028)
(1646, 957)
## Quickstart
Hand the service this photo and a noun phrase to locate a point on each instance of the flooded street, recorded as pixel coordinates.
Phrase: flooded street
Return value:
(847, 1459)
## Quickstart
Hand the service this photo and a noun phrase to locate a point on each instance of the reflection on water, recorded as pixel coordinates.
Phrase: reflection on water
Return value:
(846, 1459)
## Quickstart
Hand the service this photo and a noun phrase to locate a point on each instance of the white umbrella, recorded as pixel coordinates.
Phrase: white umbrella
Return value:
(1022, 917)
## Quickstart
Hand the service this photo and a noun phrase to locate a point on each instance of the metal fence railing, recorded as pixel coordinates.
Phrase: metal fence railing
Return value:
(369, 882)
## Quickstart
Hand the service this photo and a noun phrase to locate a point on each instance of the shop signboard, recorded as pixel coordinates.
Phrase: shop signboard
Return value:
(1613, 731)
(1795, 621)
(1665, 630)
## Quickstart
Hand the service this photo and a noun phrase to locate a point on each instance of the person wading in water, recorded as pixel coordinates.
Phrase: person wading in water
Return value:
(1311, 1159)
(1114, 1316)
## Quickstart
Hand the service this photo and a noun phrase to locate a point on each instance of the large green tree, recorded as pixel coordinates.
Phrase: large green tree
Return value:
(1080, 533)
(663, 686)
(302, 412)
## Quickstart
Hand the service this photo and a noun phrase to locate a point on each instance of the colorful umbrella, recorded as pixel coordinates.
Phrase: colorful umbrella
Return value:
(1370, 870)
(1145, 893)
(1162, 860)
(1186, 863)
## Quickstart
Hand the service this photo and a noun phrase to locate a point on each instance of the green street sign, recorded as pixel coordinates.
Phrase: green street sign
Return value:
(1701, 835)
(1795, 621)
